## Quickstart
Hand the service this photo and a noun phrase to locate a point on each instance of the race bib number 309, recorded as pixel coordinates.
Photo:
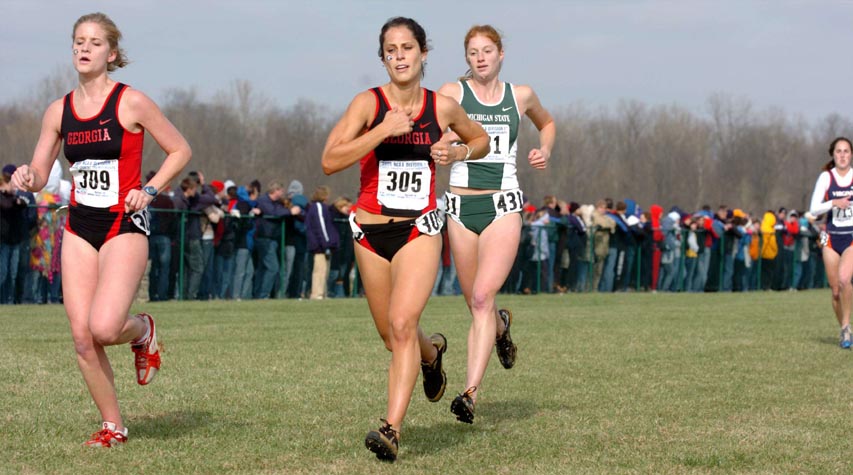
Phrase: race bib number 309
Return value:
(404, 184)
(96, 182)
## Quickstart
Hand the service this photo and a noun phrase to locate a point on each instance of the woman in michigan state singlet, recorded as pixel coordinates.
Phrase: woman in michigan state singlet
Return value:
(484, 202)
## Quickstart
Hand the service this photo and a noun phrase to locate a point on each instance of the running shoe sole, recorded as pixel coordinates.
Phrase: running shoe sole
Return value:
(147, 363)
(435, 395)
(504, 346)
(381, 446)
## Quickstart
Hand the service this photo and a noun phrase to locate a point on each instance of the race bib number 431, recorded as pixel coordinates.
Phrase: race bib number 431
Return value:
(96, 182)
(507, 202)
(404, 184)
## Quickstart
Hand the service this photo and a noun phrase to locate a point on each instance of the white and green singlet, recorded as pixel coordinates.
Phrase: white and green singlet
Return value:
(497, 170)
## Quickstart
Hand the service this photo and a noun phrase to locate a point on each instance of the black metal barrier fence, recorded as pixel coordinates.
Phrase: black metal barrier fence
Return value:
(789, 267)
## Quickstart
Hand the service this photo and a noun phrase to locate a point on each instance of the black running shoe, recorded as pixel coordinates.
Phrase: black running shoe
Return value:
(384, 442)
(435, 381)
(463, 406)
(503, 344)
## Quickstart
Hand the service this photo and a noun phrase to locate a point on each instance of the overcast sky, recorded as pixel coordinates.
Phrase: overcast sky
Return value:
(777, 54)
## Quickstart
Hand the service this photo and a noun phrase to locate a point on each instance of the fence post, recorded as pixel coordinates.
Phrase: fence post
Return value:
(181, 251)
(282, 289)
(591, 255)
(638, 250)
(759, 259)
(722, 253)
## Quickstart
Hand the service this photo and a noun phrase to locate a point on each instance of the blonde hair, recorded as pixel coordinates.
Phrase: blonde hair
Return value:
(321, 193)
(341, 202)
(113, 37)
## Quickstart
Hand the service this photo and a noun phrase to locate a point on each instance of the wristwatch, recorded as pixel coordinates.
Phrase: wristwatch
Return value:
(150, 190)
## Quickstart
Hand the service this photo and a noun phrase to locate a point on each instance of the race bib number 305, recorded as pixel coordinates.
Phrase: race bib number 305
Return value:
(96, 182)
(404, 184)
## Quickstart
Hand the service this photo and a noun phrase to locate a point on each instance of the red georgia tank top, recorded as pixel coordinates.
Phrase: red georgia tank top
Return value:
(398, 176)
(105, 158)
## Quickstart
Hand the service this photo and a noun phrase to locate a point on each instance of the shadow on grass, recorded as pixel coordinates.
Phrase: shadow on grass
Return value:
(828, 340)
(434, 439)
(170, 424)
(447, 435)
(499, 411)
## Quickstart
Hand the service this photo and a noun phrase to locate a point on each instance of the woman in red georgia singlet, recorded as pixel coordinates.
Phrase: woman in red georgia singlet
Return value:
(393, 131)
(105, 248)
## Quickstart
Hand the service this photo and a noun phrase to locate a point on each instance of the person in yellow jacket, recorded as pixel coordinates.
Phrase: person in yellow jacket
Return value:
(831, 196)
(769, 249)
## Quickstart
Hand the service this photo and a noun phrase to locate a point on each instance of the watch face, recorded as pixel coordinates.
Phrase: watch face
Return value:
(150, 190)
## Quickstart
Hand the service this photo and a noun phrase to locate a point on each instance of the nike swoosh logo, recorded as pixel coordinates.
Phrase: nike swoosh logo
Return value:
(506, 108)
(424, 125)
(102, 122)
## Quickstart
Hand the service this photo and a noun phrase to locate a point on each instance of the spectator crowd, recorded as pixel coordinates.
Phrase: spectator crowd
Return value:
(220, 240)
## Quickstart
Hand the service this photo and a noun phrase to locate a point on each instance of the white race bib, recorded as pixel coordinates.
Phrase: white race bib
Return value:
(96, 182)
(430, 223)
(404, 184)
(842, 218)
(499, 135)
(507, 202)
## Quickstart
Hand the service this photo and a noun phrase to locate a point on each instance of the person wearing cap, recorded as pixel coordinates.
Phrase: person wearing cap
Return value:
(733, 232)
(670, 251)
(213, 223)
(295, 244)
(809, 251)
(789, 241)
(831, 196)
(741, 270)
(576, 238)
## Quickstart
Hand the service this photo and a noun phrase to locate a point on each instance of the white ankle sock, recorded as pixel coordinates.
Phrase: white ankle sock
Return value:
(145, 335)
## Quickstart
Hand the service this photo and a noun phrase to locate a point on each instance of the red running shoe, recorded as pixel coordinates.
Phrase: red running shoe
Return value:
(107, 437)
(147, 353)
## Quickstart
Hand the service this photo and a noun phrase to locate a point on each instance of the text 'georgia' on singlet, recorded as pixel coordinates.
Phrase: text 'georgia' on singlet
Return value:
(105, 158)
(398, 176)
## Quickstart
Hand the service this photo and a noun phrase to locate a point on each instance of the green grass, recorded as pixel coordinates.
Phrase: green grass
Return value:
(623, 383)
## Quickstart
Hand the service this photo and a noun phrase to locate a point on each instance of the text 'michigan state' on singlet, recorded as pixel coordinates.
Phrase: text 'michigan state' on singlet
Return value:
(497, 170)
(398, 176)
(105, 158)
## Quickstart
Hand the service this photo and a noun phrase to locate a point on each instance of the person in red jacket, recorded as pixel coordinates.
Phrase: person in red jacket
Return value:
(657, 237)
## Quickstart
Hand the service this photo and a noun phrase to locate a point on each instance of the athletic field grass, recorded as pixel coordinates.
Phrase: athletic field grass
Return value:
(620, 383)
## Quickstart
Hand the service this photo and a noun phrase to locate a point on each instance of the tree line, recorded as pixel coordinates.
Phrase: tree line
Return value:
(730, 153)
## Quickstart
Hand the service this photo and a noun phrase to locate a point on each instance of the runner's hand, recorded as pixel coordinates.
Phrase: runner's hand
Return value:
(23, 178)
(398, 122)
(136, 200)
